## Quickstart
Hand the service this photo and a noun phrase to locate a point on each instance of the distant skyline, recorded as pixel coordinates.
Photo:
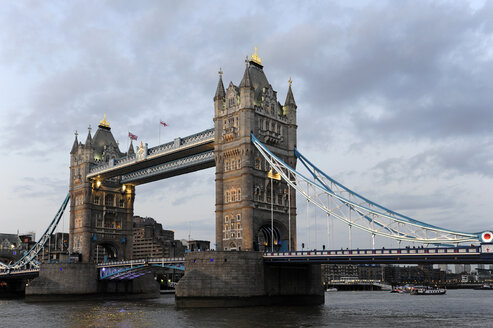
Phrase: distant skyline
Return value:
(394, 99)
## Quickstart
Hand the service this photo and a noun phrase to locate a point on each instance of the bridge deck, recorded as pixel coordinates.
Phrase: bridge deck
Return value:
(435, 255)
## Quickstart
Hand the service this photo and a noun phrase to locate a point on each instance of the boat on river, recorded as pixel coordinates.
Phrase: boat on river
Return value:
(485, 287)
(428, 291)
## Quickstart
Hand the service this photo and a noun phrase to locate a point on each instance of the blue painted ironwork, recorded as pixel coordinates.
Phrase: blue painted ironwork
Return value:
(136, 268)
(369, 216)
(28, 260)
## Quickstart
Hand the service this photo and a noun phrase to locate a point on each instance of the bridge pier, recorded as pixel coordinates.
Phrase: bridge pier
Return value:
(236, 279)
(80, 280)
(57, 279)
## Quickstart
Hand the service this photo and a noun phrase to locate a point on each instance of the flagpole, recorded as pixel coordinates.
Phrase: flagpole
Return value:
(159, 132)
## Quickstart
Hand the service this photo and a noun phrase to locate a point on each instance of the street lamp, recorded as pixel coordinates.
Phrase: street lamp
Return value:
(272, 176)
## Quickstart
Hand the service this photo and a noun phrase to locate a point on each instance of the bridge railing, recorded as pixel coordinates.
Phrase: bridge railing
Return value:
(18, 271)
(383, 251)
(182, 142)
(141, 261)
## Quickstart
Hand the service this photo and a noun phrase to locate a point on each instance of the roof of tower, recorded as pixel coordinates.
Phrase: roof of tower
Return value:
(220, 93)
(289, 96)
(75, 145)
(103, 137)
(254, 75)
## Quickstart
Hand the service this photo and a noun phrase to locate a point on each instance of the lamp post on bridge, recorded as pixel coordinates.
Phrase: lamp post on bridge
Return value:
(272, 176)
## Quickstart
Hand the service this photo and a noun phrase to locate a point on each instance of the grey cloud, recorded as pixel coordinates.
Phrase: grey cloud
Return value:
(43, 187)
(447, 161)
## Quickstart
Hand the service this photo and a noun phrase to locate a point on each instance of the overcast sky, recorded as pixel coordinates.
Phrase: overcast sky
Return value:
(394, 98)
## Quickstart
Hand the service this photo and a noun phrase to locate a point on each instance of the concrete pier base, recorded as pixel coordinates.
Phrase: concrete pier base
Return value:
(64, 279)
(77, 281)
(234, 279)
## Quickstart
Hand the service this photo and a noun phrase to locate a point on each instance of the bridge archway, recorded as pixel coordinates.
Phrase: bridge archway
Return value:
(105, 251)
(263, 238)
(232, 246)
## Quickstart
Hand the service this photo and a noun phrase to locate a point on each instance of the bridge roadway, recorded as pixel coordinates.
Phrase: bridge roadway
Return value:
(427, 255)
(183, 155)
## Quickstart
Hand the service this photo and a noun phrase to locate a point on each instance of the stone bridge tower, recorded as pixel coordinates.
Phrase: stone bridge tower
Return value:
(100, 211)
(243, 189)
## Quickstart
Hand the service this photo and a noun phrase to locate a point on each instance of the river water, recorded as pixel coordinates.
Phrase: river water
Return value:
(458, 308)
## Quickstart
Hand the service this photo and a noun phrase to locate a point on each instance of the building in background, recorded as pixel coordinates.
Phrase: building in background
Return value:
(196, 245)
(13, 246)
(338, 271)
(150, 240)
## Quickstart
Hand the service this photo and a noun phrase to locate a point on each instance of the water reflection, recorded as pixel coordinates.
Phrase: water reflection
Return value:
(458, 308)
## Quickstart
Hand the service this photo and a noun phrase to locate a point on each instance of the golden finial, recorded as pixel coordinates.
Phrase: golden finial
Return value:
(290, 81)
(255, 58)
(141, 145)
(104, 123)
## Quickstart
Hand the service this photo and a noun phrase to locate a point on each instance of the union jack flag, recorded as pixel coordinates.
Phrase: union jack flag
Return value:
(132, 136)
(163, 123)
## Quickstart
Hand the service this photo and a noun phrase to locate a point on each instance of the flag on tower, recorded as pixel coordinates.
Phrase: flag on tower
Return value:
(132, 136)
(163, 123)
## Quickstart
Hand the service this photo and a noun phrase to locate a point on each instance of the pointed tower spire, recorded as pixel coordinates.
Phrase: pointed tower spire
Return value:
(246, 82)
(289, 97)
(89, 138)
(220, 93)
(76, 144)
(131, 150)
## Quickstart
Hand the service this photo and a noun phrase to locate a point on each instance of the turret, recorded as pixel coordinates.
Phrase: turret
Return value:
(246, 89)
(220, 96)
(289, 110)
(290, 105)
(75, 145)
(89, 138)
(131, 150)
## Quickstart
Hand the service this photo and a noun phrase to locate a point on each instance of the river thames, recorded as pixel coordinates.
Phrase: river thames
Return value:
(458, 308)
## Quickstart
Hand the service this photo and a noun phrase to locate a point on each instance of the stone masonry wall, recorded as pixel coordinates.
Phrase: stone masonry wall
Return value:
(222, 274)
(64, 279)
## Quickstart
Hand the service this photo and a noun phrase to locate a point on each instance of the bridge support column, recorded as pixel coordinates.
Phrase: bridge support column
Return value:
(235, 279)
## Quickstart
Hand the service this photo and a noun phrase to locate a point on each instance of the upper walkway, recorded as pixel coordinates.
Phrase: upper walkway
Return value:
(180, 156)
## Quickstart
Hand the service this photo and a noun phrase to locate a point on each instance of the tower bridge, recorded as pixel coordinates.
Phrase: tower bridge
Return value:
(253, 148)
(104, 179)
